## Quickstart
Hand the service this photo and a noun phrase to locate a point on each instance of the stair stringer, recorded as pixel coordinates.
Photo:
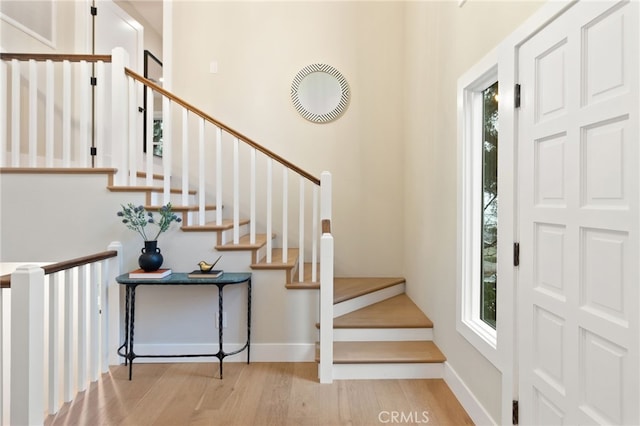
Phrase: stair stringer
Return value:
(360, 302)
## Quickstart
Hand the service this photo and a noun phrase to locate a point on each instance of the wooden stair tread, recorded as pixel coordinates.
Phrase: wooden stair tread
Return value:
(276, 260)
(212, 226)
(244, 243)
(144, 188)
(350, 288)
(396, 312)
(182, 208)
(385, 352)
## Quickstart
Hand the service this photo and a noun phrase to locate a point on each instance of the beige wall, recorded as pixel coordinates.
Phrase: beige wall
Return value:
(442, 42)
(14, 39)
(259, 47)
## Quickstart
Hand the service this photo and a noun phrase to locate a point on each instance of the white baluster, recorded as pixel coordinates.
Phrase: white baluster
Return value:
(55, 311)
(94, 322)
(218, 176)
(252, 215)
(285, 213)
(150, 111)
(27, 346)
(84, 136)
(33, 113)
(201, 176)
(132, 176)
(66, 114)
(167, 149)
(50, 115)
(236, 192)
(69, 333)
(15, 113)
(314, 236)
(185, 157)
(269, 208)
(301, 233)
(81, 303)
(105, 317)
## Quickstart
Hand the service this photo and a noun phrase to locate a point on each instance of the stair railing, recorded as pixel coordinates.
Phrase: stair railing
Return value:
(64, 324)
(219, 153)
(57, 129)
(80, 129)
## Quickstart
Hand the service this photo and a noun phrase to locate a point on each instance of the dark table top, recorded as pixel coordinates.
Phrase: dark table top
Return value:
(181, 278)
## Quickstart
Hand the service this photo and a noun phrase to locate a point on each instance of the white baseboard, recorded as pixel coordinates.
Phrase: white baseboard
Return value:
(260, 352)
(472, 406)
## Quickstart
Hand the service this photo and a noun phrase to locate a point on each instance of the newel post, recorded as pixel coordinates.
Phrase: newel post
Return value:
(119, 115)
(27, 346)
(111, 294)
(326, 282)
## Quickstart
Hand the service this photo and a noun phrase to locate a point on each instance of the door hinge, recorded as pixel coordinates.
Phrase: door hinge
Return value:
(516, 96)
(514, 412)
(516, 254)
(94, 81)
(94, 151)
(94, 11)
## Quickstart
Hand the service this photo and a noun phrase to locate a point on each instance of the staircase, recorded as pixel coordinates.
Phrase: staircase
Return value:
(379, 333)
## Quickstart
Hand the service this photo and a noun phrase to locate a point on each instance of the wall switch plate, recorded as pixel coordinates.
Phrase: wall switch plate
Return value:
(213, 67)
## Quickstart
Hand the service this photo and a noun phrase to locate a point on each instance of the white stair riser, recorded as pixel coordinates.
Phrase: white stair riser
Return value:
(360, 302)
(191, 218)
(388, 371)
(157, 199)
(226, 236)
(381, 334)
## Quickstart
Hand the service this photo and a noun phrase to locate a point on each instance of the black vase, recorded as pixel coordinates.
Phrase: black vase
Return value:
(150, 259)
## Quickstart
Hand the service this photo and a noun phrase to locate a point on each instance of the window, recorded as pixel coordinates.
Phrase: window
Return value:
(478, 207)
(489, 204)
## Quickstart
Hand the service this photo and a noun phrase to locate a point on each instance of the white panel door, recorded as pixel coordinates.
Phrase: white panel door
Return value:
(578, 162)
(115, 28)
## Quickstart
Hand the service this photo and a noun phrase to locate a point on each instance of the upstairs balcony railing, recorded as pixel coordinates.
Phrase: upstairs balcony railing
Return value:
(63, 323)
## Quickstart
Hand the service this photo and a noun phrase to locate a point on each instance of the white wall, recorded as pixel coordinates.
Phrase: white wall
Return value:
(442, 42)
(259, 48)
(50, 218)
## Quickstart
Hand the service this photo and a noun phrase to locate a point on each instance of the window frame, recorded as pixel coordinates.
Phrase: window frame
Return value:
(470, 156)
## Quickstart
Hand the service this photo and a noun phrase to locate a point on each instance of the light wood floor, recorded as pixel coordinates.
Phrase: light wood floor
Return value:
(256, 394)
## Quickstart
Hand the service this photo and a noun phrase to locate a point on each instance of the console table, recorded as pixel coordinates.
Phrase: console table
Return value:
(228, 278)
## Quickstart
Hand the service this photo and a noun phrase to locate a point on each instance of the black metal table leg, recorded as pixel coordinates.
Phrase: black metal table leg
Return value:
(220, 325)
(248, 320)
(132, 307)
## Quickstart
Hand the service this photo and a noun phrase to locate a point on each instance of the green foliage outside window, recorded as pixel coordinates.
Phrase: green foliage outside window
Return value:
(490, 205)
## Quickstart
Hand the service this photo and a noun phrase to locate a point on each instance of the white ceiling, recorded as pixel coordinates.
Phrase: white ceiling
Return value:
(150, 10)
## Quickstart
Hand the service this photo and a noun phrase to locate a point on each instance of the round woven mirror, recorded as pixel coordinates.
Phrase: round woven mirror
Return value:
(320, 93)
